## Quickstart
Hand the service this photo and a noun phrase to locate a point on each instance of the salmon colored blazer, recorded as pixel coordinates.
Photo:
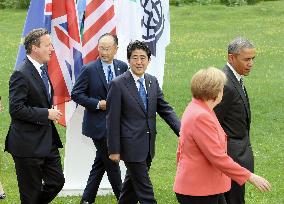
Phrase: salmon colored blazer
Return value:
(203, 166)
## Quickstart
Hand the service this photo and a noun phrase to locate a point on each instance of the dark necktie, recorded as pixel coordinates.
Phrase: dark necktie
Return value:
(45, 80)
(243, 86)
(142, 92)
(109, 74)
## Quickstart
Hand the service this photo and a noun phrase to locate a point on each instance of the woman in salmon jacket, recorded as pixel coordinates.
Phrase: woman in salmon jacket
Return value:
(204, 170)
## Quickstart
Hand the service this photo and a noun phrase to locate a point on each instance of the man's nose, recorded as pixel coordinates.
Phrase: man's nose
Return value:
(251, 62)
(139, 61)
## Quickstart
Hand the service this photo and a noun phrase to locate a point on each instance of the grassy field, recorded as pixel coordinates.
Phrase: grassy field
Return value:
(199, 38)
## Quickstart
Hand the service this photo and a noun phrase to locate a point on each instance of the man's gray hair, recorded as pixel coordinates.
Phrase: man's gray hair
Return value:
(238, 44)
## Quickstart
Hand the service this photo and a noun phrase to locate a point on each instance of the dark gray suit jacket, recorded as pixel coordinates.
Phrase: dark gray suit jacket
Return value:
(30, 133)
(131, 130)
(234, 116)
(91, 87)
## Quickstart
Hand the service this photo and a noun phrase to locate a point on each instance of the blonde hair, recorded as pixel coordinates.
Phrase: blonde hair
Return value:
(206, 84)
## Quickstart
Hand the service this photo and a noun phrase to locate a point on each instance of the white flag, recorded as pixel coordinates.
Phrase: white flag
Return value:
(146, 21)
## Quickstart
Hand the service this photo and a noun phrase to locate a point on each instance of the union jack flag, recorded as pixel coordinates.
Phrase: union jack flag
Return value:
(60, 18)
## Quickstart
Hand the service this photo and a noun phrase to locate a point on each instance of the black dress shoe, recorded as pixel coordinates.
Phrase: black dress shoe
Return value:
(2, 196)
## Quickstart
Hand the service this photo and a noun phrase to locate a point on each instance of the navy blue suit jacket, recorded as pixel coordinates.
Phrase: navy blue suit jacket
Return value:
(31, 133)
(91, 87)
(132, 132)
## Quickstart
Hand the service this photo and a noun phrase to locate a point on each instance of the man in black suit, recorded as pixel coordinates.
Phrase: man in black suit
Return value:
(234, 111)
(134, 98)
(90, 91)
(32, 139)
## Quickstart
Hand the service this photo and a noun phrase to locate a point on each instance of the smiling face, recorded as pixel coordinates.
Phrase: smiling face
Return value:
(243, 61)
(138, 62)
(42, 53)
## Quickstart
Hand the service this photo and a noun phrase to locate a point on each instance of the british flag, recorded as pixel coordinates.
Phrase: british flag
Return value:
(60, 18)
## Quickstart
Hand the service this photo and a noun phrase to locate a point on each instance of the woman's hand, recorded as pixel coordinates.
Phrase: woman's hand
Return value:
(262, 184)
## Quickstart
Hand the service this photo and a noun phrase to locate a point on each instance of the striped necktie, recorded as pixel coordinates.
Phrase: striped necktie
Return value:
(109, 73)
(142, 92)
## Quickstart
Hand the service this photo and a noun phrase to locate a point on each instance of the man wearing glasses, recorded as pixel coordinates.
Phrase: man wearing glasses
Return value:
(90, 91)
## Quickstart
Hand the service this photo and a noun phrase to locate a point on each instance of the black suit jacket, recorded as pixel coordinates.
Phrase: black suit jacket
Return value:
(31, 133)
(91, 87)
(234, 116)
(131, 129)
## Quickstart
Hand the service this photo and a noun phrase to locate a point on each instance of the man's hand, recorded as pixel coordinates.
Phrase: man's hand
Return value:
(102, 105)
(260, 183)
(114, 157)
(54, 114)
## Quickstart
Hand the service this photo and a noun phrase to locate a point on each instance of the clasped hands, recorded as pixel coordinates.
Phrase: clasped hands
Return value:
(114, 157)
(54, 114)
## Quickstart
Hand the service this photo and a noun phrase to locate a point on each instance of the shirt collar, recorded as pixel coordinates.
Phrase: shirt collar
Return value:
(106, 65)
(136, 77)
(35, 63)
(237, 75)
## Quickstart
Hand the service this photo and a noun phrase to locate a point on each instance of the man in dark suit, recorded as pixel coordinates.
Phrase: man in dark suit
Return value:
(234, 111)
(90, 91)
(32, 139)
(134, 98)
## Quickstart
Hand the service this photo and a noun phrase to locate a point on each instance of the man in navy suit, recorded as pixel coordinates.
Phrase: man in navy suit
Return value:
(133, 99)
(32, 139)
(234, 111)
(90, 91)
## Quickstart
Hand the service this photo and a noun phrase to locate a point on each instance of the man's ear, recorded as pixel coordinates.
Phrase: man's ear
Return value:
(116, 48)
(34, 48)
(230, 57)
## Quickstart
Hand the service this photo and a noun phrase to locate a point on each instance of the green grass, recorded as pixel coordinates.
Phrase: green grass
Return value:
(199, 38)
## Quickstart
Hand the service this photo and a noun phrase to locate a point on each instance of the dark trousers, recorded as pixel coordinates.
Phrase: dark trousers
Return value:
(236, 195)
(212, 199)
(39, 179)
(101, 165)
(137, 185)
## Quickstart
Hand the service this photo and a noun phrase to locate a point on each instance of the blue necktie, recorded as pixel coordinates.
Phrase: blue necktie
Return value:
(45, 80)
(142, 92)
(109, 73)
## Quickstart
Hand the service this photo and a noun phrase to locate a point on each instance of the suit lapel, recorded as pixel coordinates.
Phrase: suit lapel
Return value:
(238, 87)
(131, 86)
(38, 78)
(150, 92)
(117, 69)
(102, 74)
(51, 87)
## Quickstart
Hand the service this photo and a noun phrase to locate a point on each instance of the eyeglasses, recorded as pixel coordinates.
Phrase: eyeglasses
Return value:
(107, 49)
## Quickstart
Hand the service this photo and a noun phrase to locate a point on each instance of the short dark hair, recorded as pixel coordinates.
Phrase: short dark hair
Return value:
(115, 38)
(137, 45)
(33, 38)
